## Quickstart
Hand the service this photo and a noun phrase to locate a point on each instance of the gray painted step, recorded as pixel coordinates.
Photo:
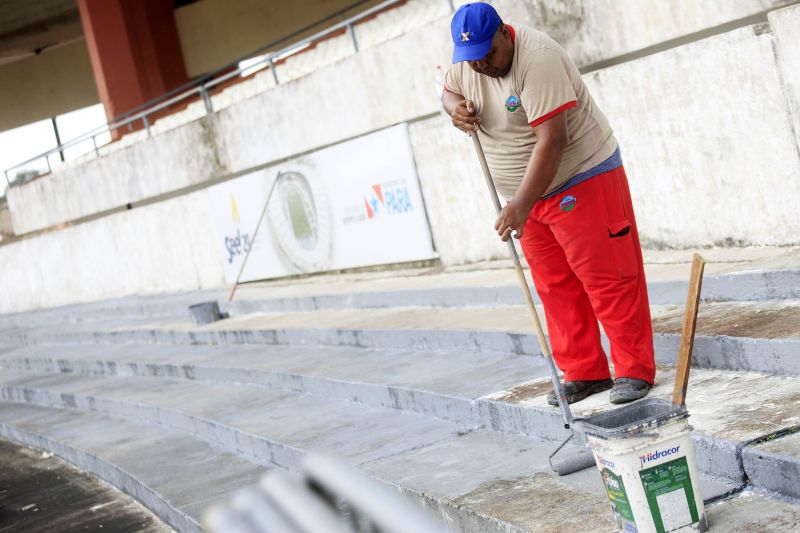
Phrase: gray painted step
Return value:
(773, 356)
(173, 474)
(466, 465)
(753, 285)
(522, 499)
(509, 411)
(775, 463)
(762, 285)
(458, 470)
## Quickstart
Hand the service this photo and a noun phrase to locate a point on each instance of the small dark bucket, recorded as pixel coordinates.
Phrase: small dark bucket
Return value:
(206, 313)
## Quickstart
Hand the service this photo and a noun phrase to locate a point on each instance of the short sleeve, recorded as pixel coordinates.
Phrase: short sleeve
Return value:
(452, 80)
(546, 86)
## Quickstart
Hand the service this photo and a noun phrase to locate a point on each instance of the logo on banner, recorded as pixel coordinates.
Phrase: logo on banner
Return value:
(238, 243)
(387, 199)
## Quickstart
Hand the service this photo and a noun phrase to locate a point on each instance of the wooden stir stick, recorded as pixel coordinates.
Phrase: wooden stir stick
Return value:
(687, 336)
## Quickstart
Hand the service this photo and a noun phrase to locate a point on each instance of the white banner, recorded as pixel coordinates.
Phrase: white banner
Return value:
(354, 204)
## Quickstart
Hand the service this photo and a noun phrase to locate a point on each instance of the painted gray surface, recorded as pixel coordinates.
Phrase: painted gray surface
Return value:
(382, 399)
(511, 455)
(225, 423)
(435, 496)
(132, 456)
(746, 286)
(774, 356)
(743, 286)
(778, 472)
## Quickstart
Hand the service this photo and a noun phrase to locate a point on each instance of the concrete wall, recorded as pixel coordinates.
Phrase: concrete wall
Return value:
(706, 135)
(456, 197)
(176, 159)
(785, 24)
(706, 130)
(6, 227)
(400, 50)
(159, 248)
(597, 30)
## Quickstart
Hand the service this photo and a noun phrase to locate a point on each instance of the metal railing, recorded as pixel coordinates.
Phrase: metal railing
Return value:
(201, 88)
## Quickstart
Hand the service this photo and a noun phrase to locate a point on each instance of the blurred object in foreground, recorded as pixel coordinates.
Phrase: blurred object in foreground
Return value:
(328, 498)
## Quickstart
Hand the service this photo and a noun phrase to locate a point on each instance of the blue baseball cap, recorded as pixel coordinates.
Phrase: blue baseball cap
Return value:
(473, 27)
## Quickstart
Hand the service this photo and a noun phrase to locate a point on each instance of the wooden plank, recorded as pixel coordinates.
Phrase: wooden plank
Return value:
(687, 335)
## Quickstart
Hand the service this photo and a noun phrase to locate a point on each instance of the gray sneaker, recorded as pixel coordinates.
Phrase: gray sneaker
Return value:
(576, 391)
(628, 389)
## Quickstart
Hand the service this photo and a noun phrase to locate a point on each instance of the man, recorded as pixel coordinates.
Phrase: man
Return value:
(554, 158)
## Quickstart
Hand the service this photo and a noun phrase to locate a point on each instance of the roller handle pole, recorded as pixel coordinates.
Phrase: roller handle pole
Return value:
(523, 282)
(253, 240)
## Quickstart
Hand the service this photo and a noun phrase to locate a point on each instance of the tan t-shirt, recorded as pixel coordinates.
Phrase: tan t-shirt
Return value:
(542, 82)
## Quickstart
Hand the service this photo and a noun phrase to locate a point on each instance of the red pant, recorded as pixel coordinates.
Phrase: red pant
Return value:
(583, 249)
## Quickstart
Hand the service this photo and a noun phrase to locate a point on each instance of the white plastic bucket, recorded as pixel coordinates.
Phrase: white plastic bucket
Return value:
(645, 454)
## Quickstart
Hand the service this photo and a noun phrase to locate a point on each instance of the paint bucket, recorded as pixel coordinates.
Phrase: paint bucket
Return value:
(205, 313)
(645, 454)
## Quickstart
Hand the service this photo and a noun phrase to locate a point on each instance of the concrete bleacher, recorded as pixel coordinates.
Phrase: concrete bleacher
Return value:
(427, 380)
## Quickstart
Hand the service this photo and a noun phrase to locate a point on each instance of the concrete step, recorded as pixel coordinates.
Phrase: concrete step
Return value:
(444, 399)
(666, 285)
(396, 448)
(173, 474)
(456, 471)
(502, 394)
(759, 336)
(731, 275)
(477, 485)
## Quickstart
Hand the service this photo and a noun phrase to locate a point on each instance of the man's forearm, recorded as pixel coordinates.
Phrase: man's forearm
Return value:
(450, 100)
(540, 172)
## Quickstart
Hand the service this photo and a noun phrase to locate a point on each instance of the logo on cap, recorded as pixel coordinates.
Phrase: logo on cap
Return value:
(513, 103)
(474, 43)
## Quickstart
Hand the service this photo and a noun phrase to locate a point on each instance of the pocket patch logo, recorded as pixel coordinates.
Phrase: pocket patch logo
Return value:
(568, 203)
(512, 104)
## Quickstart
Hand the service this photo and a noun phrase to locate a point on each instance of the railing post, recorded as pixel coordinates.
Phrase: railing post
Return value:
(146, 125)
(206, 100)
(47, 158)
(352, 32)
(94, 142)
(272, 68)
(58, 138)
(7, 180)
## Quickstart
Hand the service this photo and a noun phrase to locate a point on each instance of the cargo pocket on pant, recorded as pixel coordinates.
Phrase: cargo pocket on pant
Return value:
(619, 237)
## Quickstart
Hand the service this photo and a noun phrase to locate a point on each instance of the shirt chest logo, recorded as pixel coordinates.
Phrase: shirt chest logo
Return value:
(512, 104)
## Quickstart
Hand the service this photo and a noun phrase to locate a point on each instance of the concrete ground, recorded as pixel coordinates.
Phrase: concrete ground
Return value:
(427, 379)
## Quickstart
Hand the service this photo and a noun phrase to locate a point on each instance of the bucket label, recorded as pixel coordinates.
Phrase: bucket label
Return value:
(619, 501)
(670, 495)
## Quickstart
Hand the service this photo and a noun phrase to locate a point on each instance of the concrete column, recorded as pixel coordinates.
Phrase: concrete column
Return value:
(134, 49)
